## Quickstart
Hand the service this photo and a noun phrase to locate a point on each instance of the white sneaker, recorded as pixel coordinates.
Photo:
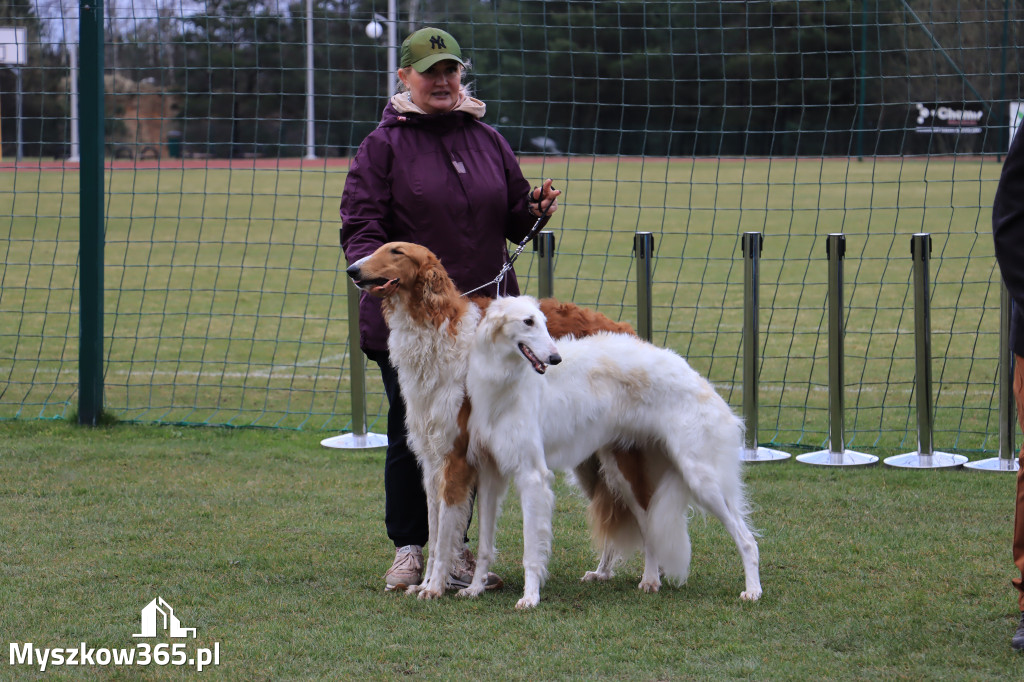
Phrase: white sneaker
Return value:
(462, 573)
(406, 570)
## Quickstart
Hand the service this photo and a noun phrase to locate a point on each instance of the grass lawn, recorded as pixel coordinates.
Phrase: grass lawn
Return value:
(273, 548)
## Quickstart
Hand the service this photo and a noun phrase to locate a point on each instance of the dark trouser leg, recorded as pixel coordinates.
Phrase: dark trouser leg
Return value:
(405, 502)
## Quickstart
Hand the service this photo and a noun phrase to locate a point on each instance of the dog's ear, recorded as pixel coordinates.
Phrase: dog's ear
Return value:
(432, 285)
(495, 320)
(438, 294)
(486, 324)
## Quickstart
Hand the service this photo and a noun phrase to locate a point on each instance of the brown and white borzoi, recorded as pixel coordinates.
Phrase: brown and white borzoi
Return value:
(432, 327)
(607, 390)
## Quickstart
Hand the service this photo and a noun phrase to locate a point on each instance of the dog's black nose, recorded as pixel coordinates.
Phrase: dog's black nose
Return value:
(554, 359)
(353, 271)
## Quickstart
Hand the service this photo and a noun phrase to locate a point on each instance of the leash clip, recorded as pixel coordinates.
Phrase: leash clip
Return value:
(511, 259)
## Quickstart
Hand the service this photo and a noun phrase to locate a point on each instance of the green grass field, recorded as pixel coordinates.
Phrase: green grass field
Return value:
(273, 548)
(226, 301)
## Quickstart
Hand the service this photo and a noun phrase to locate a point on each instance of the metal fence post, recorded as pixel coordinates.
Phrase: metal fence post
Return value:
(752, 245)
(1007, 459)
(925, 457)
(544, 245)
(359, 439)
(836, 454)
(91, 221)
(643, 247)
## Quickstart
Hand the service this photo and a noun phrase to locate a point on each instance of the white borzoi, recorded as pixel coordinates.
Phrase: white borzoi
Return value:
(607, 391)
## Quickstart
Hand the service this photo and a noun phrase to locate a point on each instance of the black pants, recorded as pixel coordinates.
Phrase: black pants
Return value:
(405, 502)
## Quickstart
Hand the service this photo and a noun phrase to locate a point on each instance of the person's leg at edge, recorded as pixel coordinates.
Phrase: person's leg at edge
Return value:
(1018, 518)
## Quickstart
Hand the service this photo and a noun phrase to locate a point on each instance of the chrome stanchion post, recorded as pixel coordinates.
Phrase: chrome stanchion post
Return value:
(1007, 459)
(925, 457)
(752, 245)
(359, 439)
(836, 454)
(544, 245)
(643, 247)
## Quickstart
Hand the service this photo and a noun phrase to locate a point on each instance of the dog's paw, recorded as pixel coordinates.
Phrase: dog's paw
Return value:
(750, 595)
(429, 594)
(527, 603)
(649, 586)
(595, 576)
(470, 591)
(413, 589)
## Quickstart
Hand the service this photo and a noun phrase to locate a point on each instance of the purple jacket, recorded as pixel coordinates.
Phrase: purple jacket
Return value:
(446, 181)
(1008, 232)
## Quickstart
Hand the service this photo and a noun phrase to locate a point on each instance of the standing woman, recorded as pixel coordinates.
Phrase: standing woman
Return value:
(434, 174)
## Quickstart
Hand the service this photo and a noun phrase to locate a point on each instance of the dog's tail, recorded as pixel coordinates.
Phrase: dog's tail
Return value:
(611, 522)
(668, 527)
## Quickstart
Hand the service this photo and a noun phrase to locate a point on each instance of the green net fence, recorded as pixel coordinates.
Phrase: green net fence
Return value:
(225, 297)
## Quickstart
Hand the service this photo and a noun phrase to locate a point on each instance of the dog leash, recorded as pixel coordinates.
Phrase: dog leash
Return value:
(511, 259)
(515, 254)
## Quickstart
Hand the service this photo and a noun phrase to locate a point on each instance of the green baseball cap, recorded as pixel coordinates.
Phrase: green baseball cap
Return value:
(427, 47)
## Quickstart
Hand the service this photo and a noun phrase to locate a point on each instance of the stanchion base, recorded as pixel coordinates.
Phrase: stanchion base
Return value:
(356, 441)
(846, 458)
(993, 464)
(917, 460)
(753, 456)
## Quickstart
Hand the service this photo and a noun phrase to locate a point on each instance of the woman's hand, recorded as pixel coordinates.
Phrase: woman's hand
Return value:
(543, 200)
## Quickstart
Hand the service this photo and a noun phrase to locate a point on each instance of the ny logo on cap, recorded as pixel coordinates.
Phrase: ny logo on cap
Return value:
(437, 42)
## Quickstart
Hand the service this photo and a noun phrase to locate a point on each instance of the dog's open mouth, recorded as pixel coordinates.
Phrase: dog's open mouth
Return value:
(538, 366)
(380, 286)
